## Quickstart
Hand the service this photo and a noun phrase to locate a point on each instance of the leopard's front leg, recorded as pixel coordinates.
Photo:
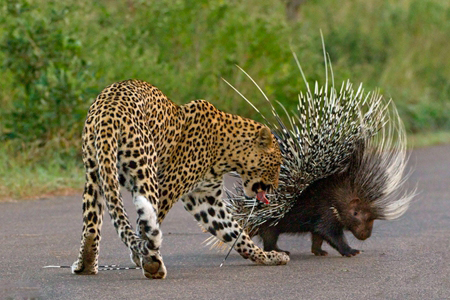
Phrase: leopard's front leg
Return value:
(206, 205)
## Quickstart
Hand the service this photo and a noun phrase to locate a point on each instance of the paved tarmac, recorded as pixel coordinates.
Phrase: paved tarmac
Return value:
(404, 259)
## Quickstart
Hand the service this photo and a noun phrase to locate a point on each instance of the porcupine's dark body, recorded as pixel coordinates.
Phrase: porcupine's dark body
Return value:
(317, 211)
(352, 199)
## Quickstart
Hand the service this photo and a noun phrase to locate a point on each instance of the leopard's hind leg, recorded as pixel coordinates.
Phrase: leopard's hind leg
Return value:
(137, 161)
(105, 149)
(93, 208)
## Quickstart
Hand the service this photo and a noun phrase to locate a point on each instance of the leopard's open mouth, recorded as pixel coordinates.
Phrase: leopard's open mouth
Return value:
(260, 190)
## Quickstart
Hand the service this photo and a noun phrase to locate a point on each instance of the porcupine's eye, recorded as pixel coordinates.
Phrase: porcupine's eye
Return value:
(355, 213)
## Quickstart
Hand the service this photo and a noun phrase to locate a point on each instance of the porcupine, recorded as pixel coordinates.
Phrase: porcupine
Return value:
(344, 167)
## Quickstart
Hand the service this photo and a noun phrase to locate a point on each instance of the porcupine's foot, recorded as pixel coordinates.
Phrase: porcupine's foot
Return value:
(337, 241)
(350, 252)
(280, 250)
(319, 252)
(269, 236)
(276, 249)
(153, 266)
(284, 251)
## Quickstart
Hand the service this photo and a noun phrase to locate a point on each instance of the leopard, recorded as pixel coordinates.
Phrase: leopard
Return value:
(135, 137)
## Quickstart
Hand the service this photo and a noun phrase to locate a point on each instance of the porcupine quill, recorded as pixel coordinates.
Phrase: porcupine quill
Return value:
(348, 138)
(100, 268)
(242, 230)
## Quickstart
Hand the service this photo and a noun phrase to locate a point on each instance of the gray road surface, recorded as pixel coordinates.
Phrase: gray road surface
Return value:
(404, 259)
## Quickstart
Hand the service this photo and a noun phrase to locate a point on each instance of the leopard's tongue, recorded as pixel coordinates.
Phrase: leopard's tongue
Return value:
(261, 196)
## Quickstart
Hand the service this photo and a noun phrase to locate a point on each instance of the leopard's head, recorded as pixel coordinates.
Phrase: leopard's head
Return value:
(262, 161)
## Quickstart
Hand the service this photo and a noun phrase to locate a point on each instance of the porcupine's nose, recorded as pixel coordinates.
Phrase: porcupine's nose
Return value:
(363, 235)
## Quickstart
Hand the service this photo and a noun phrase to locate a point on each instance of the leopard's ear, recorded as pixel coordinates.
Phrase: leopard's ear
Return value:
(264, 140)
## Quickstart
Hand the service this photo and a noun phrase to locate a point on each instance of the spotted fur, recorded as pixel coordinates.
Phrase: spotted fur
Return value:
(135, 137)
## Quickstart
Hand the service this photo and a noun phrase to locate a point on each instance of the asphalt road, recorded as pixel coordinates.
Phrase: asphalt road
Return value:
(404, 259)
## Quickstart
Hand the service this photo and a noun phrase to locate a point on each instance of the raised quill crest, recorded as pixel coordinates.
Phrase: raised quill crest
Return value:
(319, 139)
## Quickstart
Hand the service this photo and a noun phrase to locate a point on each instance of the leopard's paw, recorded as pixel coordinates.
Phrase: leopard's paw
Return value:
(270, 258)
(153, 267)
(277, 258)
(80, 268)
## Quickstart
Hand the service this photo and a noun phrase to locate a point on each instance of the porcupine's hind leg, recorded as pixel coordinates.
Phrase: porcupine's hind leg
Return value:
(269, 236)
(138, 174)
(206, 205)
(93, 208)
(316, 247)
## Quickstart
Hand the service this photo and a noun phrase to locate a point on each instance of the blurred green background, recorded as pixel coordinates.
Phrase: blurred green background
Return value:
(56, 56)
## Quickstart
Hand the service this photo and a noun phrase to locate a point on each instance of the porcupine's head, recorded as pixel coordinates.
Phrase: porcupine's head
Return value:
(351, 210)
(371, 186)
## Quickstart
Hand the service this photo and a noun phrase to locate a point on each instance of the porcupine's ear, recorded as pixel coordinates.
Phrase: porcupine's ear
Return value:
(264, 140)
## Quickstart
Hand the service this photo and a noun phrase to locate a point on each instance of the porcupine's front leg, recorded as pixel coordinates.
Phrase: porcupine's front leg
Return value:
(335, 237)
(206, 205)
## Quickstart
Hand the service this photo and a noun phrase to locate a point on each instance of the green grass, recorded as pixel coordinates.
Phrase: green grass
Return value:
(31, 174)
(21, 179)
(57, 55)
(420, 140)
